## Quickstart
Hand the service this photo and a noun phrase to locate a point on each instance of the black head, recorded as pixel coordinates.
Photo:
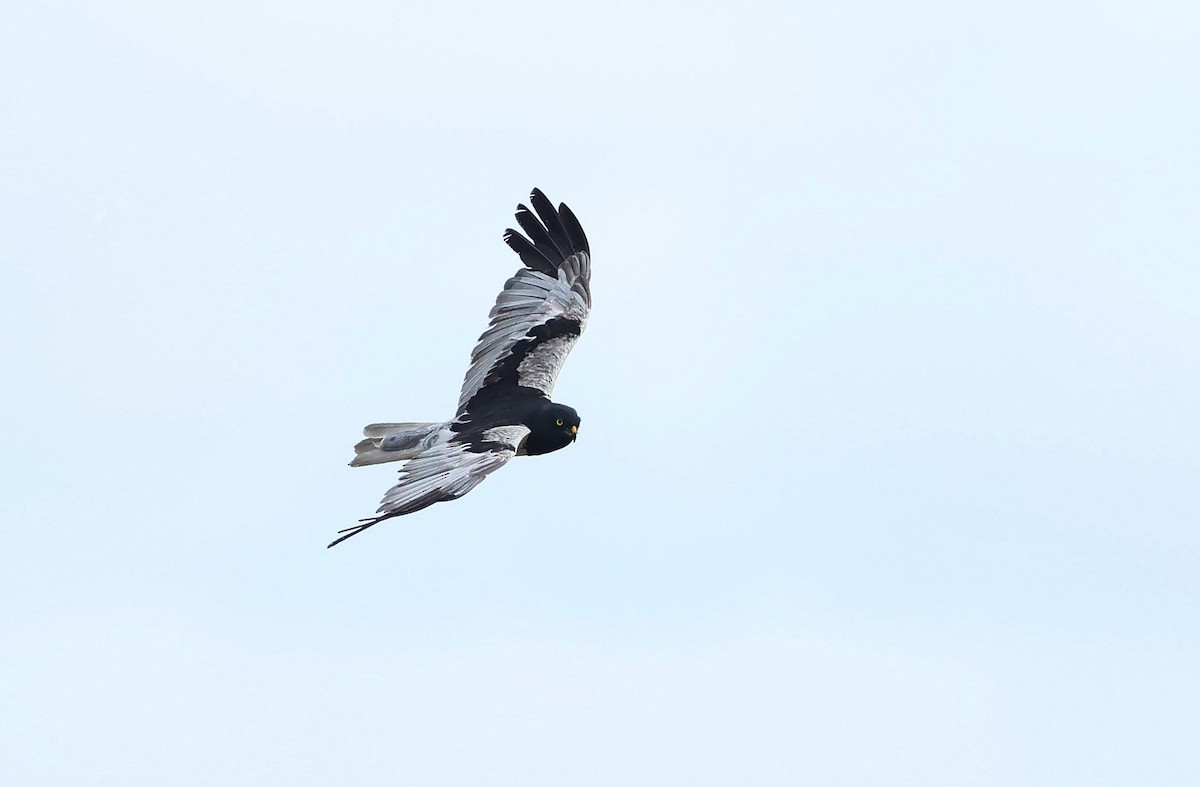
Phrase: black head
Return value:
(552, 426)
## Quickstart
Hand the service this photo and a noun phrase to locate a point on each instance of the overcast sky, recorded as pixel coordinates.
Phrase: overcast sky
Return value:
(888, 470)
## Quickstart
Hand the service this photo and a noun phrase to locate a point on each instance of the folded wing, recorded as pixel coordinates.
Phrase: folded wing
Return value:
(541, 311)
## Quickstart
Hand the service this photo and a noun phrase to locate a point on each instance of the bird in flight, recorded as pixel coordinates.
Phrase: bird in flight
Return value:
(504, 409)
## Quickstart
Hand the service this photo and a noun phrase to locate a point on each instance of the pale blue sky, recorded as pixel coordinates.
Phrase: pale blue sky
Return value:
(889, 464)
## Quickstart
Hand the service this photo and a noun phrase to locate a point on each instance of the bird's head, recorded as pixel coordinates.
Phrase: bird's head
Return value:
(563, 420)
(553, 427)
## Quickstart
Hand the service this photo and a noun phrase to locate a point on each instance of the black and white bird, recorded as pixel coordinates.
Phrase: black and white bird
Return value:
(504, 409)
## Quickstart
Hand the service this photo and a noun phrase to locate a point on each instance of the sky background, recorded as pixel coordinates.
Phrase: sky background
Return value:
(888, 472)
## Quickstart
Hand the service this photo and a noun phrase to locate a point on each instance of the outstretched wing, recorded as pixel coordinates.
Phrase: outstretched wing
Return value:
(444, 472)
(541, 311)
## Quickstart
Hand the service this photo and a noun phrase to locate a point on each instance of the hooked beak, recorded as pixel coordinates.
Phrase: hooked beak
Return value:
(574, 432)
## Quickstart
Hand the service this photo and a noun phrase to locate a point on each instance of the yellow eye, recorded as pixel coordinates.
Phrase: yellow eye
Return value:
(558, 422)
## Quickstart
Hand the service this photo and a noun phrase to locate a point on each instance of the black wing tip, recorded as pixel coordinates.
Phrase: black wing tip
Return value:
(533, 257)
(574, 229)
(354, 530)
(554, 235)
(340, 539)
(424, 501)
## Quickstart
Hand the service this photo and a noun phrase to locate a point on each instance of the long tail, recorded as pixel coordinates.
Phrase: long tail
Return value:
(394, 442)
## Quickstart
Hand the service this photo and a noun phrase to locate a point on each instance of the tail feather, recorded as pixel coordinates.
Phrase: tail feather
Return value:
(395, 441)
(383, 430)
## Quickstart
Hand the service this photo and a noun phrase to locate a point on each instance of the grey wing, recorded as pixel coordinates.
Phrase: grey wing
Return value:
(444, 472)
(542, 310)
